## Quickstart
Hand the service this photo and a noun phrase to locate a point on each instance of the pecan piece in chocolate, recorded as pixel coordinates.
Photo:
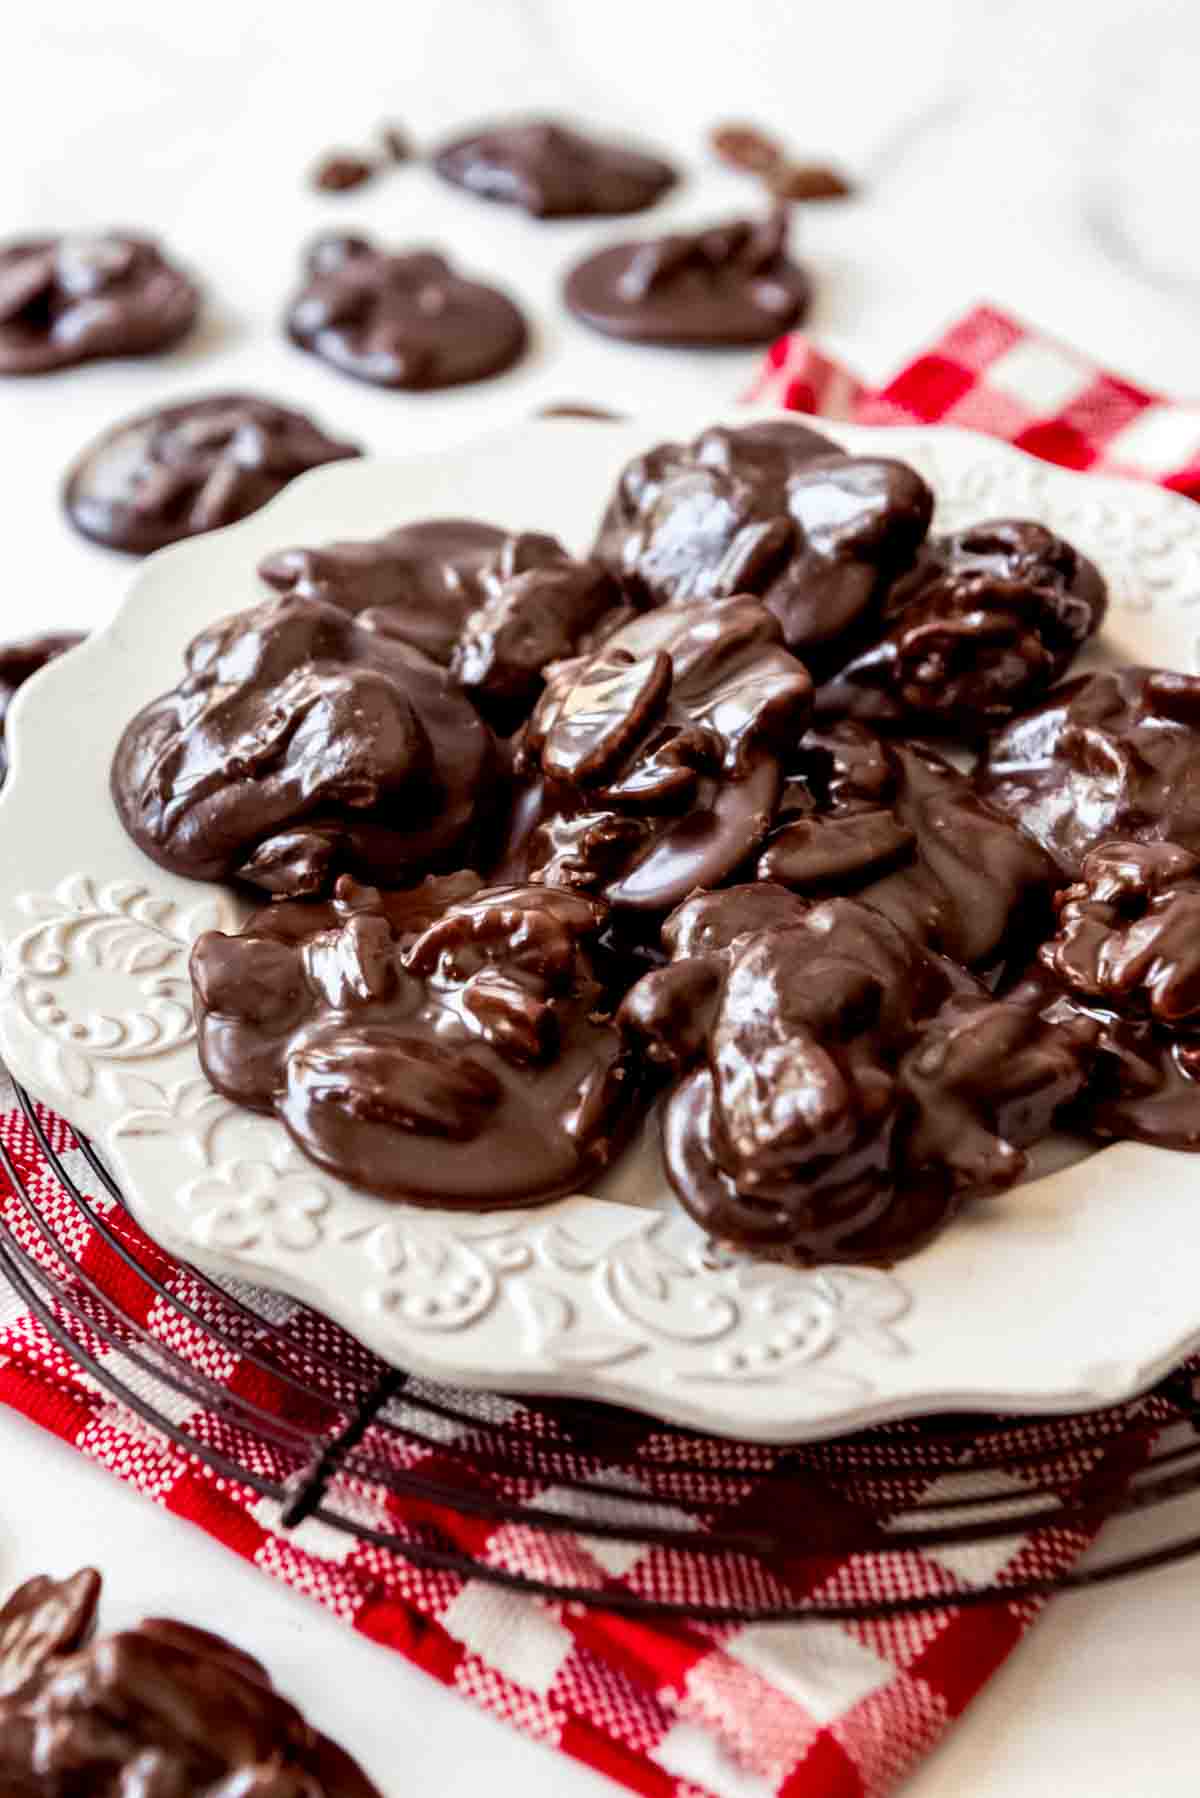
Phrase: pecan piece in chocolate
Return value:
(162, 1708)
(551, 171)
(733, 283)
(18, 661)
(65, 300)
(895, 824)
(654, 763)
(299, 744)
(448, 1044)
(401, 319)
(1127, 959)
(988, 618)
(492, 606)
(1110, 754)
(839, 1089)
(184, 469)
(771, 509)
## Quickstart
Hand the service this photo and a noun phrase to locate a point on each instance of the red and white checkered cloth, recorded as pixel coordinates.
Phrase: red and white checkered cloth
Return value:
(810, 1710)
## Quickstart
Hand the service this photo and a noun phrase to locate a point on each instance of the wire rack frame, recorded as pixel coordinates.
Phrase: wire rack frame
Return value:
(734, 1532)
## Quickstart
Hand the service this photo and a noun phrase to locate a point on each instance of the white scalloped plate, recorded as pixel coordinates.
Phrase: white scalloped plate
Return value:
(1076, 1289)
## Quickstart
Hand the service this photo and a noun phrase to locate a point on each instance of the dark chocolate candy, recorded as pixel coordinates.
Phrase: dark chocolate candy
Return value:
(17, 662)
(552, 171)
(71, 299)
(157, 1711)
(654, 763)
(730, 284)
(299, 744)
(340, 171)
(840, 1090)
(1127, 958)
(771, 509)
(494, 607)
(401, 320)
(987, 619)
(192, 467)
(1112, 754)
(896, 825)
(446, 1045)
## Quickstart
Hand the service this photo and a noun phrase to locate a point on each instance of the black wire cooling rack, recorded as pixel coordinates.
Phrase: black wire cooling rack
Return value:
(719, 1530)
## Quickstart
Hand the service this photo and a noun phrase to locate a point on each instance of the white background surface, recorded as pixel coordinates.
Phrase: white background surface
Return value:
(1040, 156)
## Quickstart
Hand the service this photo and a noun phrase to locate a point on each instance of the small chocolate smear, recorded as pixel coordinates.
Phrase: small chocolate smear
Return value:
(655, 761)
(341, 170)
(491, 606)
(808, 181)
(65, 300)
(840, 1090)
(300, 743)
(446, 1045)
(163, 1708)
(747, 148)
(733, 283)
(181, 470)
(552, 171)
(403, 320)
(987, 619)
(17, 662)
(578, 409)
(773, 509)
(1111, 754)
(396, 143)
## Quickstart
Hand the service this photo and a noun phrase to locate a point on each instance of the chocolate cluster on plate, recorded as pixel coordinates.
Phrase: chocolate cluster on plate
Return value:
(162, 1708)
(774, 810)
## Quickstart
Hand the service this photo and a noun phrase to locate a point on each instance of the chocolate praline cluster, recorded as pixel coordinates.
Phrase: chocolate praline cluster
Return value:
(769, 811)
(158, 1708)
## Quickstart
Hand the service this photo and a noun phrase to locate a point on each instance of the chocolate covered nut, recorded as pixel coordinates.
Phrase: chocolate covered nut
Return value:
(987, 619)
(733, 283)
(65, 300)
(551, 171)
(1112, 754)
(771, 509)
(839, 1090)
(448, 1044)
(1126, 958)
(654, 763)
(340, 171)
(298, 744)
(20, 660)
(896, 825)
(180, 470)
(753, 152)
(494, 607)
(162, 1708)
(401, 320)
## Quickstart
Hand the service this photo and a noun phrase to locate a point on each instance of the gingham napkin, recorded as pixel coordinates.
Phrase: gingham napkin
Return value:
(811, 1710)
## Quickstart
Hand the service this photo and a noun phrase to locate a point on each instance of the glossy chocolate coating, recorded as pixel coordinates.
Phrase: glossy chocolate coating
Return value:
(1112, 754)
(552, 171)
(895, 824)
(180, 470)
(771, 509)
(654, 763)
(401, 320)
(1127, 958)
(20, 660)
(839, 1089)
(731, 284)
(987, 619)
(299, 744)
(492, 606)
(446, 1045)
(71, 299)
(162, 1710)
